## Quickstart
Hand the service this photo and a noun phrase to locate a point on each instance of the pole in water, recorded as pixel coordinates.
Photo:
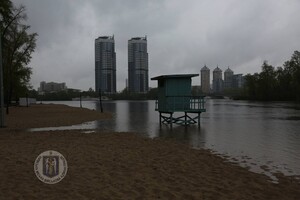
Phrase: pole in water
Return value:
(100, 100)
(80, 100)
(159, 119)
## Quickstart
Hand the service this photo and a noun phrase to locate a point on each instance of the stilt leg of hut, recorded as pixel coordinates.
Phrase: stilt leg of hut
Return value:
(185, 116)
(159, 119)
(198, 120)
(171, 120)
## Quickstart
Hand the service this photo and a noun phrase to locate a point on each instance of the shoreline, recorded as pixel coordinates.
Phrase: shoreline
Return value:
(50, 115)
(110, 165)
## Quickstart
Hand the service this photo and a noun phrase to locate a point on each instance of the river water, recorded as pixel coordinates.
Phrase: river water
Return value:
(264, 137)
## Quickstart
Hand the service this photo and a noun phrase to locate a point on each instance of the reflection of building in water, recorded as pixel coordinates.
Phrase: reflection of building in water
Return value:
(121, 116)
(127, 116)
(194, 136)
(137, 115)
(108, 107)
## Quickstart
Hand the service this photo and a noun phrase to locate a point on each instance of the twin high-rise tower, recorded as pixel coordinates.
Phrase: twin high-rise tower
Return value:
(138, 65)
(105, 65)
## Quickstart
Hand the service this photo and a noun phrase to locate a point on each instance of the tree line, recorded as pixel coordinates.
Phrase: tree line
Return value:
(271, 84)
(17, 46)
(68, 95)
(275, 84)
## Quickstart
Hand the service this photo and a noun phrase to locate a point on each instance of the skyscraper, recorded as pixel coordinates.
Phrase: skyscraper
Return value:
(138, 65)
(217, 81)
(228, 78)
(105, 64)
(205, 80)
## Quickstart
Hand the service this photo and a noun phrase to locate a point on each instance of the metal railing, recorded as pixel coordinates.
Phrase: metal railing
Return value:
(181, 103)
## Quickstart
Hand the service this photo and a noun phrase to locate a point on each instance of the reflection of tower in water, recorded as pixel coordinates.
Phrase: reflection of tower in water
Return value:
(137, 118)
(127, 116)
(193, 135)
(121, 116)
(110, 107)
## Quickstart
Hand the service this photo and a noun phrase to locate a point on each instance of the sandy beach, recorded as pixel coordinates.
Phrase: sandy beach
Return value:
(105, 165)
(49, 115)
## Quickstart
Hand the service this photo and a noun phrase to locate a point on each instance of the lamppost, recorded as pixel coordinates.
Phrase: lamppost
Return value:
(1, 86)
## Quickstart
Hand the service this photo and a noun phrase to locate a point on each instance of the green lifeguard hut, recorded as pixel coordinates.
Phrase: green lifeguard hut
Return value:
(175, 95)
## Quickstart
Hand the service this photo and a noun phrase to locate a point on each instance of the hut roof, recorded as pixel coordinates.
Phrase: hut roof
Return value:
(174, 76)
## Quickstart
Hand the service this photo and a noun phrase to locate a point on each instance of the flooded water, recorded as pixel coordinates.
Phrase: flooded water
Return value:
(264, 137)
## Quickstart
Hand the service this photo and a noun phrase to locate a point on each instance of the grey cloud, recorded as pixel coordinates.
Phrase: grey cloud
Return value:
(182, 35)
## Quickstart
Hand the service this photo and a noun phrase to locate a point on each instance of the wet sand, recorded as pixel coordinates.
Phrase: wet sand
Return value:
(49, 115)
(105, 165)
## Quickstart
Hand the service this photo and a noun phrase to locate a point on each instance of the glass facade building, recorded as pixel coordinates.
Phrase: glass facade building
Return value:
(105, 65)
(138, 79)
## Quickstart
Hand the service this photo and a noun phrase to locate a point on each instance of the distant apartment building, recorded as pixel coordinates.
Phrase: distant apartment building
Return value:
(51, 87)
(217, 81)
(228, 78)
(205, 80)
(233, 81)
(237, 81)
(138, 65)
(105, 65)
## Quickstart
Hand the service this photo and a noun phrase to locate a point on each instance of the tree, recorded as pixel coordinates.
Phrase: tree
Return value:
(18, 45)
(5, 11)
(280, 84)
(251, 85)
(267, 82)
(292, 71)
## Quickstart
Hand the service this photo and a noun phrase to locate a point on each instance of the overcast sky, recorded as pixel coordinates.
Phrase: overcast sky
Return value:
(182, 36)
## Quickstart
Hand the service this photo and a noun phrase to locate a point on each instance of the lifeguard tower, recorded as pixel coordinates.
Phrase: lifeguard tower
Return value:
(175, 95)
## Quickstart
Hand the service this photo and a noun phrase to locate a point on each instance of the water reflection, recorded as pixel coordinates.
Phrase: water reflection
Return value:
(108, 106)
(192, 135)
(254, 133)
(137, 118)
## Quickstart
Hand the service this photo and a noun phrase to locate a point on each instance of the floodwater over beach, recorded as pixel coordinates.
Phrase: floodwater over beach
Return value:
(261, 136)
